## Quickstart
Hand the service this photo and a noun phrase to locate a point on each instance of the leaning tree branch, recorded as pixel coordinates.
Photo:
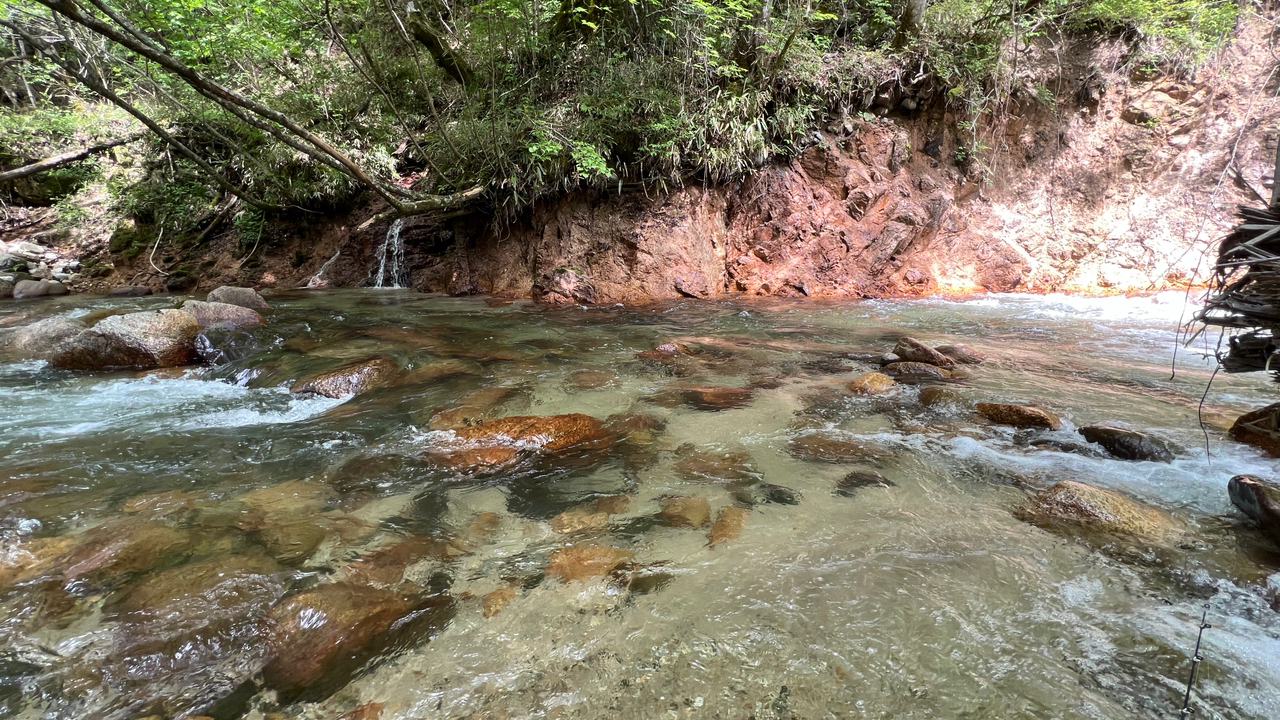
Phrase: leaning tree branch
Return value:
(447, 60)
(66, 158)
(216, 91)
(88, 81)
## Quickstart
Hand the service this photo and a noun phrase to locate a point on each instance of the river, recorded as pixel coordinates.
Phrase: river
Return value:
(917, 594)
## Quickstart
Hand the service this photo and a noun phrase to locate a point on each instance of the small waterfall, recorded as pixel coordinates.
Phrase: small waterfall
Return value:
(392, 271)
(317, 280)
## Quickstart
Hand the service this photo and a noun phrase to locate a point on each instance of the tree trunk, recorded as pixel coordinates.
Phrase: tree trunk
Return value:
(1275, 178)
(912, 21)
(66, 158)
(454, 66)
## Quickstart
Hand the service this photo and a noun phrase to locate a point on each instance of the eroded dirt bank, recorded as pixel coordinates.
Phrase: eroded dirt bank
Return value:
(1119, 185)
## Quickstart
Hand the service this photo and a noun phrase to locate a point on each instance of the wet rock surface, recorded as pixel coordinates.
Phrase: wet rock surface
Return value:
(142, 340)
(1129, 444)
(850, 484)
(320, 636)
(686, 512)
(27, 289)
(242, 296)
(129, 291)
(911, 372)
(1259, 499)
(962, 354)
(39, 339)
(209, 314)
(710, 399)
(1076, 507)
(1021, 416)
(1260, 428)
(353, 378)
(584, 562)
(912, 350)
(873, 383)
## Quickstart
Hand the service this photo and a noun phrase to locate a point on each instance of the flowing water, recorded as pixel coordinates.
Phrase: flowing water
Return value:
(160, 517)
(393, 271)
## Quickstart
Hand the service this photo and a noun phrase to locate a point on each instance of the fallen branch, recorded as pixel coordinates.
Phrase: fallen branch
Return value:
(66, 158)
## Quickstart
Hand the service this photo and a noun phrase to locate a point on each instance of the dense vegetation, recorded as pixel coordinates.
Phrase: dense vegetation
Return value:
(437, 105)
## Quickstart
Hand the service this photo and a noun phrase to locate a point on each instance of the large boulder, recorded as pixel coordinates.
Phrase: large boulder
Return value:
(1259, 499)
(39, 339)
(912, 350)
(209, 314)
(350, 379)
(140, 341)
(321, 636)
(1075, 508)
(1260, 428)
(1129, 444)
(244, 297)
(1022, 416)
(38, 288)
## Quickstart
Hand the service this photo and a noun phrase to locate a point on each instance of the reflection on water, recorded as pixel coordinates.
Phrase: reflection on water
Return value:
(730, 533)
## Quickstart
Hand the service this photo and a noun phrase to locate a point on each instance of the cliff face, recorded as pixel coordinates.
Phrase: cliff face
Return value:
(1093, 181)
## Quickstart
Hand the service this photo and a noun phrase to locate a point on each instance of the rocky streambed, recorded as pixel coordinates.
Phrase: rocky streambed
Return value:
(380, 504)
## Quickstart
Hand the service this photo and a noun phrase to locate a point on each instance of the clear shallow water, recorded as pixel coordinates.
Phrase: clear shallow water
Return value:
(925, 599)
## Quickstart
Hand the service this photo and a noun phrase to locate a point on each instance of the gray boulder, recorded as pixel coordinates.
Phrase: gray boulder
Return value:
(208, 314)
(37, 340)
(6, 289)
(141, 340)
(244, 297)
(38, 288)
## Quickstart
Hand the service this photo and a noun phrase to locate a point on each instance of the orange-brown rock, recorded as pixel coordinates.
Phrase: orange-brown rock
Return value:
(321, 636)
(729, 525)
(32, 558)
(164, 589)
(613, 504)
(1022, 416)
(583, 562)
(1260, 428)
(494, 602)
(705, 398)
(934, 396)
(118, 550)
(350, 379)
(497, 442)
(686, 512)
(962, 354)
(386, 566)
(1079, 508)
(873, 383)
(912, 350)
(578, 519)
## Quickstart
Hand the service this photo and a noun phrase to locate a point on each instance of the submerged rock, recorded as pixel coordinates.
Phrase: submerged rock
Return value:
(912, 350)
(873, 383)
(155, 592)
(220, 345)
(1259, 499)
(1129, 444)
(690, 512)
(137, 341)
(1260, 428)
(242, 296)
(765, 493)
(915, 371)
(577, 520)
(710, 399)
(934, 396)
(115, 551)
(496, 601)
(1077, 507)
(729, 525)
(851, 483)
(583, 562)
(321, 636)
(353, 378)
(209, 314)
(582, 380)
(38, 340)
(498, 443)
(1022, 416)
(31, 559)
(714, 465)
(834, 448)
(962, 354)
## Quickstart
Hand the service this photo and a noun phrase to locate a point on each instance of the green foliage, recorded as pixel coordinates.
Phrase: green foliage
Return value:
(566, 93)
